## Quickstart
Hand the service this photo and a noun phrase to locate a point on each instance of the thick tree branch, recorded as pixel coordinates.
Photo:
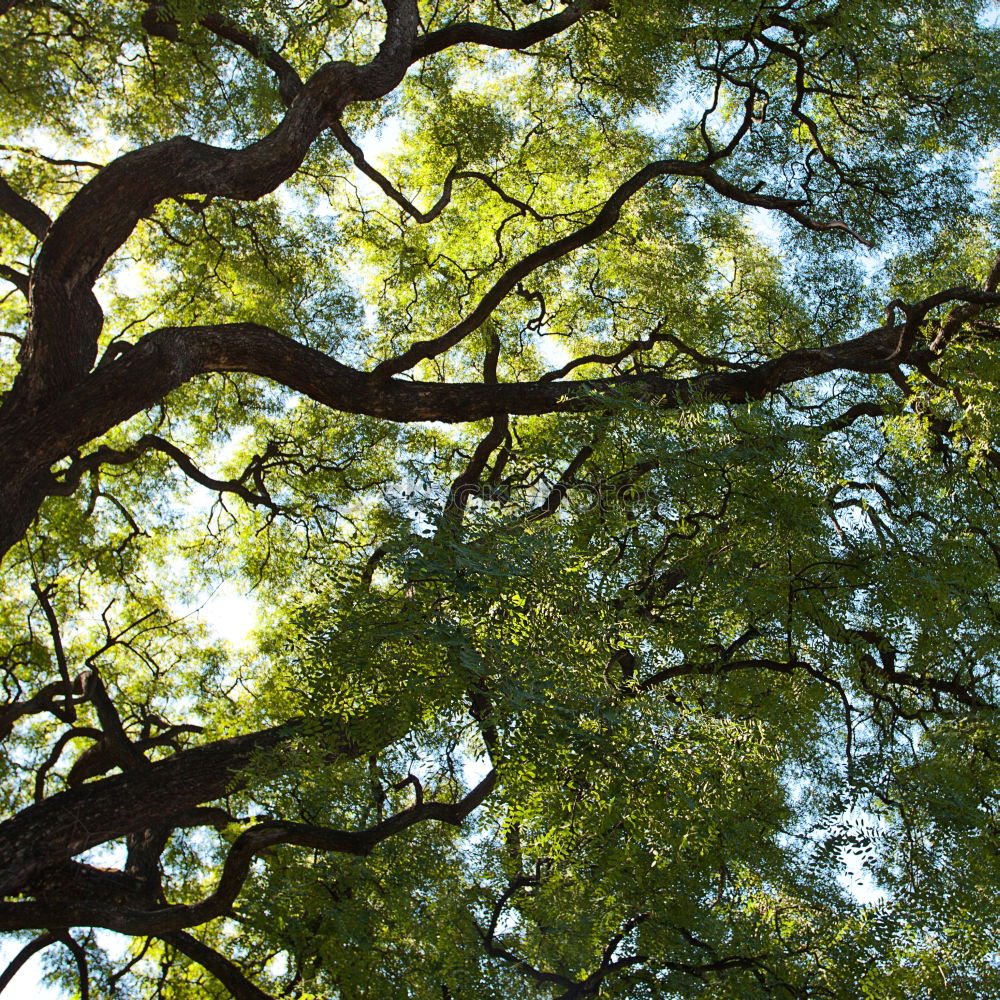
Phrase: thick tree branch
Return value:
(157, 20)
(165, 359)
(100, 758)
(250, 843)
(61, 346)
(21, 210)
(105, 211)
(218, 965)
(119, 747)
(51, 831)
(16, 278)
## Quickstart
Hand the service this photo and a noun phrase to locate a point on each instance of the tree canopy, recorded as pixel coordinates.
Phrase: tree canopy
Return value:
(597, 404)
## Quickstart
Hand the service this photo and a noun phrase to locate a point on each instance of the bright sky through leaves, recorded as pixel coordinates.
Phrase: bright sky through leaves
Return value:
(499, 499)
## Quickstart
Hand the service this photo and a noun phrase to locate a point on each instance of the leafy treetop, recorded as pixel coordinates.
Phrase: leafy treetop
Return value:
(597, 402)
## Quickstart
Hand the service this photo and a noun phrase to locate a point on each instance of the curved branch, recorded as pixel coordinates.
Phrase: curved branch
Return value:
(157, 20)
(488, 937)
(165, 359)
(466, 32)
(99, 758)
(558, 492)
(263, 836)
(715, 669)
(80, 957)
(289, 82)
(609, 214)
(61, 347)
(444, 199)
(103, 214)
(51, 698)
(31, 948)
(55, 161)
(385, 185)
(42, 593)
(844, 420)
(16, 278)
(886, 669)
(632, 347)
(105, 455)
(122, 751)
(55, 753)
(168, 358)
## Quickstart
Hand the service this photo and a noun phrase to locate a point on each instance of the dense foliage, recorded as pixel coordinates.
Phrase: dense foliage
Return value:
(595, 404)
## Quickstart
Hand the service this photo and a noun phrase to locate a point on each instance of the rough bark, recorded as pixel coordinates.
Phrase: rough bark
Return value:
(53, 830)
(166, 359)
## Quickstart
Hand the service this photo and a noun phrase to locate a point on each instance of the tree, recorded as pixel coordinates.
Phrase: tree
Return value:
(597, 402)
